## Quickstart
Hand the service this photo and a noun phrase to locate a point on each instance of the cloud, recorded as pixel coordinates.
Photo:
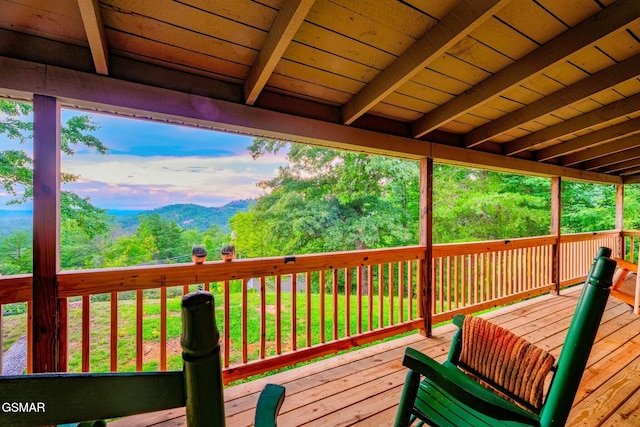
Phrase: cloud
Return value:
(131, 182)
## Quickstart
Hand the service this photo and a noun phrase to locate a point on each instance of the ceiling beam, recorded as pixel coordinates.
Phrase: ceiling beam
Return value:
(610, 133)
(100, 93)
(602, 80)
(603, 141)
(628, 167)
(455, 26)
(90, 12)
(605, 149)
(609, 20)
(285, 25)
(584, 121)
(613, 162)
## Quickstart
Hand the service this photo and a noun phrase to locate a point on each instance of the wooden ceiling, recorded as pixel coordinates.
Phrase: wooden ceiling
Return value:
(544, 86)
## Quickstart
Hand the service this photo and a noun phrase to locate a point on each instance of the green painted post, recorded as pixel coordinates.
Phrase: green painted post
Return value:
(201, 356)
(577, 346)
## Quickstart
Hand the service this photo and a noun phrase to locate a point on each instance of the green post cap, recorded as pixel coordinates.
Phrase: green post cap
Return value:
(198, 322)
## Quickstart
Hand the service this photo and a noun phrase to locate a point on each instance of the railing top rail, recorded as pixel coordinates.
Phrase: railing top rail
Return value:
(631, 233)
(85, 282)
(578, 237)
(452, 249)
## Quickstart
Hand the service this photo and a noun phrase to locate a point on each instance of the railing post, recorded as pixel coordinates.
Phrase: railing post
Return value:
(556, 215)
(426, 239)
(49, 346)
(620, 219)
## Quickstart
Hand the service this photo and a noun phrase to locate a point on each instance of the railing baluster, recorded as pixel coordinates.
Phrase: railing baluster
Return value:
(308, 300)
(392, 291)
(347, 302)
(114, 332)
(322, 306)
(359, 282)
(294, 312)
(278, 314)
(410, 288)
(86, 332)
(263, 317)
(139, 329)
(245, 326)
(370, 295)
(334, 287)
(380, 296)
(226, 346)
(163, 328)
(401, 284)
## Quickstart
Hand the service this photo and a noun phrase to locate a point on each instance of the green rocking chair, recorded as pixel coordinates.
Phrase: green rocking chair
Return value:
(38, 399)
(495, 378)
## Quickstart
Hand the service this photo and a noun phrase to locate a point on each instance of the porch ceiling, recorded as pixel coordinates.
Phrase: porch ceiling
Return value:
(542, 86)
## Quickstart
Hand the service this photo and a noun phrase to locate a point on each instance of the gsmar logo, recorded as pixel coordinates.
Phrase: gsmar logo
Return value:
(23, 407)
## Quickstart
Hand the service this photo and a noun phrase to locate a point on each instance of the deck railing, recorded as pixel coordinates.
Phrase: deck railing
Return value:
(276, 312)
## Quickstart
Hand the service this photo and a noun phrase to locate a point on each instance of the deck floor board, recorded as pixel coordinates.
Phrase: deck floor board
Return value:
(362, 388)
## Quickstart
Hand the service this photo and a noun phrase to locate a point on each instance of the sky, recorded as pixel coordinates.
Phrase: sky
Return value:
(151, 164)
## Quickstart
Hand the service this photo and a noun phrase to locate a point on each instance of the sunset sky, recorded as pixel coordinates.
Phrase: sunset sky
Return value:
(154, 164)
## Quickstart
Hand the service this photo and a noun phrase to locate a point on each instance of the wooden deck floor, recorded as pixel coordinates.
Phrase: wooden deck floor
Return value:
(363, 387)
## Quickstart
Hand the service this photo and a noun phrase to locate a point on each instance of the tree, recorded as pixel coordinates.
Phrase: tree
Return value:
(472, 204)
(16, 166)
(329, 200)
(16, 256)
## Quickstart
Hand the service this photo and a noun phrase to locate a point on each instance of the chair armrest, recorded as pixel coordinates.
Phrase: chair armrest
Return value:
(269, 404)
(464, 389)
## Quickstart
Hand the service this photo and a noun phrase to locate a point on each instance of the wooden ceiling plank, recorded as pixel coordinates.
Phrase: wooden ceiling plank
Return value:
(93, 27)
(584, 34)
(601, 150)
(586, 87)
(284, 28)
(462, 20)
(601, 115)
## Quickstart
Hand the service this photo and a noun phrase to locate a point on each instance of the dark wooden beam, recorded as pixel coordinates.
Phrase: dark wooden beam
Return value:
(583, 89)
(609, 20)
(584, 121)
(93, 28)
(286, 24)
(46, 334)
(113, 95)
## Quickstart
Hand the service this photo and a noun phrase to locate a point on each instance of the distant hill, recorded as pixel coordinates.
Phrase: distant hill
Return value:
(12, 221)
(185, 215)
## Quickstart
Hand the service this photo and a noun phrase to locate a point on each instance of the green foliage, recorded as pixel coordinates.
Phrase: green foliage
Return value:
(16, 166)
(328, 200)
(16, 255)
(471, 204)
(587, 207)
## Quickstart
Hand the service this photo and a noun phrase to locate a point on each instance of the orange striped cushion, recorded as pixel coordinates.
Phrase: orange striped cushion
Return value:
(499, 356)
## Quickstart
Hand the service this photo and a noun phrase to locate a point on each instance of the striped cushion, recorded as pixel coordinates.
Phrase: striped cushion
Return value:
(502, 358)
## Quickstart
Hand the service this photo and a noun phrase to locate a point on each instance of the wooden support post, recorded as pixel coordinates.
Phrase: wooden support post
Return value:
(48, 346)
(620, 220)
(556, 216)
(426, 239)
